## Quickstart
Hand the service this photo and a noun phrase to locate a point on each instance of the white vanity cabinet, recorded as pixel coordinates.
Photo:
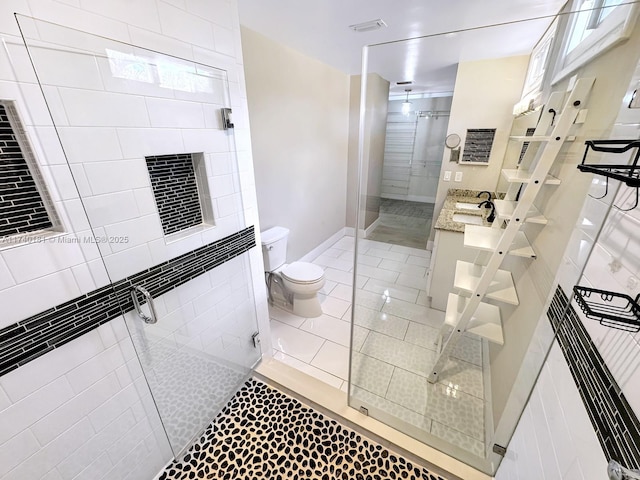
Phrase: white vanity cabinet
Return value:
(448, 248)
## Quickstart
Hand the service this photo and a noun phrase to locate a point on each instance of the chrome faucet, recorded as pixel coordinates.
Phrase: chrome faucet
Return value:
(489, 204)
(488, 193)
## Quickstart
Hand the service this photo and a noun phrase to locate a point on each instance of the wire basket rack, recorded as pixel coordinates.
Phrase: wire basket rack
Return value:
(629, 174)
(611, 309)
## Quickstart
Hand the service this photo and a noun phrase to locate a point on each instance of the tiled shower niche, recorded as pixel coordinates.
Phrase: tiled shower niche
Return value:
(181, 191)
(23, 199)
(477, 145)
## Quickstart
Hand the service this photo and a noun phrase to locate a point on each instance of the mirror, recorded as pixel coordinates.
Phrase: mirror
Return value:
(452, 140)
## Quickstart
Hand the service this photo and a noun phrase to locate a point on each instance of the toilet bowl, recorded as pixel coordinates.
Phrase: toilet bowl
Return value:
(304, 280)
(301, 281)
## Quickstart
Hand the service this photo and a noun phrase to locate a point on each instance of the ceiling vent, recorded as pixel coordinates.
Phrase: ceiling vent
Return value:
(407, 82)
(368, 26)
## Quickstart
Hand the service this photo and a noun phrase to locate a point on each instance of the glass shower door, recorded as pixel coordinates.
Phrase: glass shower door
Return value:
(147, 141)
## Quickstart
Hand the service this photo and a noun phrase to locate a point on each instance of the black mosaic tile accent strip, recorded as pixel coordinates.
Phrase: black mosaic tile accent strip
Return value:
(21, 207)
(175, 189)
(616, 425)
(525, 145)
(477, 145)
(263, 433)
(31, 338)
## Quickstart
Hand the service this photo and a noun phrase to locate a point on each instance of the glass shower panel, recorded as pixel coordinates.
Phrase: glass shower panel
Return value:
(158, 178)
(398, 327)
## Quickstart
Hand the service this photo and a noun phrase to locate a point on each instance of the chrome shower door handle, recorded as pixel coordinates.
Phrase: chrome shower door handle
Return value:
(152, 309)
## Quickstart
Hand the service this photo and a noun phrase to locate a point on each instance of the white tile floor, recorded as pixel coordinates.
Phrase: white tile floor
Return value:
(394, 335)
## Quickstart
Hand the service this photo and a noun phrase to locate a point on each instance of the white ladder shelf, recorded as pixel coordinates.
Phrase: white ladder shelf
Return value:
(469, 313)
(505, 209)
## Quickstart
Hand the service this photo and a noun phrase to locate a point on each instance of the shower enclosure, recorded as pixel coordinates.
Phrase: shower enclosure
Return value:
(414, 146)
(472, 408)
(141, 182)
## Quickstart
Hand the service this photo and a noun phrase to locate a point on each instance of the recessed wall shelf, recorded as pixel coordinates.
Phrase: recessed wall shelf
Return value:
(611, 309)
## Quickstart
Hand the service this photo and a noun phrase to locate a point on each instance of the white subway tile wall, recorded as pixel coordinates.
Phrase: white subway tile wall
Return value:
(38, 335)
(98, 420)
(555, 412)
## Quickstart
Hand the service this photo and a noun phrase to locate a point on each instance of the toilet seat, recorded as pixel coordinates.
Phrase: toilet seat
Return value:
(302, 273)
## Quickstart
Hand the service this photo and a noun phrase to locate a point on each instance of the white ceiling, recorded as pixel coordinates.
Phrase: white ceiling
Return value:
(319, 29)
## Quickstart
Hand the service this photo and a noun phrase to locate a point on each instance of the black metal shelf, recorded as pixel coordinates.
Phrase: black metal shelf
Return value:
(629, 174)
(625, 173)
(611, 309)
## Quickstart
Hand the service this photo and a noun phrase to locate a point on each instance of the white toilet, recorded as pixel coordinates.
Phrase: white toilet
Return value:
(300, 282)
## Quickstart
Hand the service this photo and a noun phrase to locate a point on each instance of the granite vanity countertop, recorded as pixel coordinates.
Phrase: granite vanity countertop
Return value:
(454, 195)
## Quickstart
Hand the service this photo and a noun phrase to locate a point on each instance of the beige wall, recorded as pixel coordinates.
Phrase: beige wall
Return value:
(512, 363)
(484, 96)
(374, 138)
(298, 110)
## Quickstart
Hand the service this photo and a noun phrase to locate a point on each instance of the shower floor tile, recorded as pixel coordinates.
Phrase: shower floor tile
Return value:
(443, 403)
(263, 433)
(391, 409)
(457, 438)
(399, 353)
(371, 374)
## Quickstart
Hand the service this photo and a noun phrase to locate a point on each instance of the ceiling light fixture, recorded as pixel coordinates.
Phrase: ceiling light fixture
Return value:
(406, 105)
(368, 26)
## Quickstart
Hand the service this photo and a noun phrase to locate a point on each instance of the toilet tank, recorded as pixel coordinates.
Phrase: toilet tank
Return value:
(274, 247)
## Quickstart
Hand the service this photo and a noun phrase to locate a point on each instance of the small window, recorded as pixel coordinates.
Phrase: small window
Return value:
(23, 208)
(538, 63)
(591, 15)
(597, 26)
(181, 191)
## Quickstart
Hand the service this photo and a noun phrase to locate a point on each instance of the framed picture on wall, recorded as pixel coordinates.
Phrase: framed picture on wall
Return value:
(595, 27)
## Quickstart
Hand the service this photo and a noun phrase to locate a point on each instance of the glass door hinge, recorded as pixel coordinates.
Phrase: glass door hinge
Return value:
(255, 338)
(227, 118)
(499, 449)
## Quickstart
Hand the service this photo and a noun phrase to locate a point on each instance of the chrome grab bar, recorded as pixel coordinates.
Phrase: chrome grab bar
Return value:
(152, 309)
(618, 472)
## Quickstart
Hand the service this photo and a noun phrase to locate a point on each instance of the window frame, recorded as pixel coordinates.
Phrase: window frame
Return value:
(615, 28)
(539, 62)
